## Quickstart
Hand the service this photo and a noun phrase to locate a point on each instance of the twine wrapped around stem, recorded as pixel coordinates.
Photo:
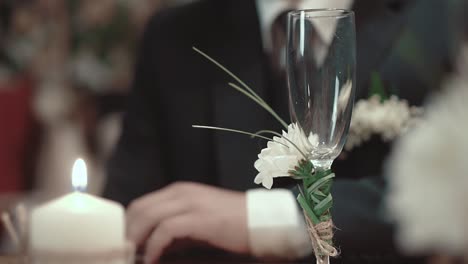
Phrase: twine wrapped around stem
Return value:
(316, 201)
(320, 235)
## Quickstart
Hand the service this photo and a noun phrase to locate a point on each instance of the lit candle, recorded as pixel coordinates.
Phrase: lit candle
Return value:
(78, 222)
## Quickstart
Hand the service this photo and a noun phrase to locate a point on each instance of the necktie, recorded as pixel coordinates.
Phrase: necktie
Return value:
(316, 54)
(278, 40)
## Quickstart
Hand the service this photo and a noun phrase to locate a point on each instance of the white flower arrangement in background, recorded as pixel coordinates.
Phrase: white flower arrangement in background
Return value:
(374, 116)
(428, 175)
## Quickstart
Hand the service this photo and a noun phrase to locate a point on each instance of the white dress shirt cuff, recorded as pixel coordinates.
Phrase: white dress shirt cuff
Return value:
(276, 226)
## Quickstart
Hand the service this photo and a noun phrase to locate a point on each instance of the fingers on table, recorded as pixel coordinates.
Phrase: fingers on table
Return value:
(147, 212)
(178, 227)
(143, 222)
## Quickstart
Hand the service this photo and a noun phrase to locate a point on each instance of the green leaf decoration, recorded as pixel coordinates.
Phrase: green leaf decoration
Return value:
(319, 183)
(324, 205)
(305, 205)
(314, 197)
(303, 170)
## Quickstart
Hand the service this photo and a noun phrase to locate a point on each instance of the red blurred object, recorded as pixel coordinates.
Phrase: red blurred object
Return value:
(16, 133)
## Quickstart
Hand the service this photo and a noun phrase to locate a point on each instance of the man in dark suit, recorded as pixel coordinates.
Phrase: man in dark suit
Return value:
(175, 88)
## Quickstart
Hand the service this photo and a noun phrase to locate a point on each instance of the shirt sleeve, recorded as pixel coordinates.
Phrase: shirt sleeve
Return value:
(276, 226)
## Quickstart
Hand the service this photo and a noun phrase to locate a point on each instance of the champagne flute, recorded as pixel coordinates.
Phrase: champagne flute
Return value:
(320, 65)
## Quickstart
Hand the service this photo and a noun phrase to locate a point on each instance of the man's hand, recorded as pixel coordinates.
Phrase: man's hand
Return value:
(189, 211)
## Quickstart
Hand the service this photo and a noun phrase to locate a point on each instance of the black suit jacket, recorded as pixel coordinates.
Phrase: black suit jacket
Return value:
(175, 88)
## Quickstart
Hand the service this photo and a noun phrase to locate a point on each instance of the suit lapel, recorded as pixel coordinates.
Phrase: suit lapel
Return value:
(242, 54)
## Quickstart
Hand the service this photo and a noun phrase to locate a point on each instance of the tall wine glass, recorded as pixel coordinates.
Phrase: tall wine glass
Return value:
(320, 64)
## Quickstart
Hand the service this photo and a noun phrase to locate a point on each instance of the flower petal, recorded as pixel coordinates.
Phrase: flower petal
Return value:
(267, 182)
(285, 163)
(258, 179)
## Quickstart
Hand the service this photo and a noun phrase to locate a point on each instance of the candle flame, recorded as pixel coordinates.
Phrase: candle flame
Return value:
(79, 175)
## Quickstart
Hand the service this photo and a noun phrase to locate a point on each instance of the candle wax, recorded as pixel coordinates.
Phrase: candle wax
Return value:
(78, 222)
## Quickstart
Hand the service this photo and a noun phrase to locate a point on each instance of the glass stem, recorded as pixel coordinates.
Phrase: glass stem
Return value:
(323, 259)
(322, 165)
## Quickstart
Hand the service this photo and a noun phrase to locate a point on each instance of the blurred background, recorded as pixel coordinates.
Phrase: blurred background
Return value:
(65, 70)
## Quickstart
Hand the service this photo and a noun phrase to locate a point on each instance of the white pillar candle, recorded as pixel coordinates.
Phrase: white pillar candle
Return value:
(78, 222)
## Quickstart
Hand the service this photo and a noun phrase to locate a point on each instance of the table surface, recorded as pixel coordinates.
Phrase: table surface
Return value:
(233, 259)
(10, 260)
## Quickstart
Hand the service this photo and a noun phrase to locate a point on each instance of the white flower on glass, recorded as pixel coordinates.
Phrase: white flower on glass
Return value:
(428, 177)
(280, 156)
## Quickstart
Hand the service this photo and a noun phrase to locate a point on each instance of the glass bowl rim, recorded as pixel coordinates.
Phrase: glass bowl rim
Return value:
(328, 13)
